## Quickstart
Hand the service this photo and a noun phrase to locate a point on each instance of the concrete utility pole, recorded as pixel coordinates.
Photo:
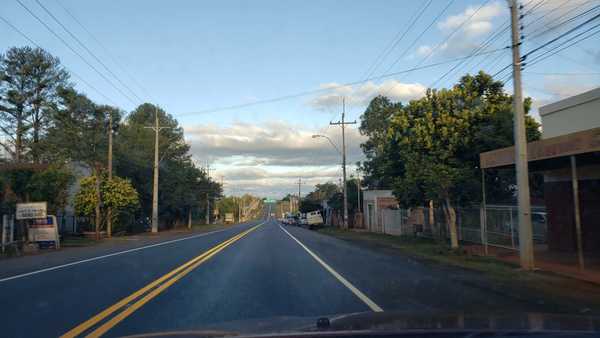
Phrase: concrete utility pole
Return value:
(522, 167)
(343, 124)
(157, 128)
(110, 156)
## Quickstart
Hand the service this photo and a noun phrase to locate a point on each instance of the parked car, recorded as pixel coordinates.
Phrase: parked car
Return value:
(302, 220)
(314, 219)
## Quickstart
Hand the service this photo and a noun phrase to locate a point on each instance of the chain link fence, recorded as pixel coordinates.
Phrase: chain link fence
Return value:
(496, 225)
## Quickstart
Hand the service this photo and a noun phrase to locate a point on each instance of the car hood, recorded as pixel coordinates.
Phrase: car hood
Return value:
(391, 322)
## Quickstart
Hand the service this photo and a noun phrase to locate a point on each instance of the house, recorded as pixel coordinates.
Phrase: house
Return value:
(568, 155)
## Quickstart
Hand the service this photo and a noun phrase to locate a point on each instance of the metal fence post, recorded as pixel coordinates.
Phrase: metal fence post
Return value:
(483, 228)
(512, 227)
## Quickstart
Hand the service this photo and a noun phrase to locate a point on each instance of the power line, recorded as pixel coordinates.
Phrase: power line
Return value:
(547, 13)
(74, 51)
(395, 41)
(487, 42)
(420, 35)
(70, 71)
(446, 39)
(562, 35)
(561, 74)
(106, 50)
(321, 90)
(87, 49)
(540, 58)
(563, 22)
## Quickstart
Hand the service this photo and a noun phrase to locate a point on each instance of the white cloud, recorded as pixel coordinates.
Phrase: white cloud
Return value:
(478, 23)
(361, 95)
(560, 88)
(424, 50)
(479, 20)
(267, 159)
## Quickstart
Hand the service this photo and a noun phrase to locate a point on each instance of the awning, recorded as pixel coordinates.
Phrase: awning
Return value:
(565, 145)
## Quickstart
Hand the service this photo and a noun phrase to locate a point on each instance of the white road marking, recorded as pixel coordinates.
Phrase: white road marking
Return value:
(87, 260)
(371, 304)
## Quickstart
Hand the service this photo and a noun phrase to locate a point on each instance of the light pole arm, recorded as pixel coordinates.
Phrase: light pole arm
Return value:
(330, 142)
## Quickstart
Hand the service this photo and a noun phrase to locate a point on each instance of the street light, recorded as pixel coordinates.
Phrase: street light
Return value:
(330, 141)
(344, 188)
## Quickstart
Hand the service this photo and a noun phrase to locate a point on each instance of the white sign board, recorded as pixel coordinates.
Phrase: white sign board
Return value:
(31, 210)
(229, 217)
(44, 230)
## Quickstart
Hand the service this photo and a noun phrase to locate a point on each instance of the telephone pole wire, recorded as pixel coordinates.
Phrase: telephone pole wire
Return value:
(521, 165)
(343, 124)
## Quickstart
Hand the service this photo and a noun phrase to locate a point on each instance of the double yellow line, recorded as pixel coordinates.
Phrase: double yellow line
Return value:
(137, 299)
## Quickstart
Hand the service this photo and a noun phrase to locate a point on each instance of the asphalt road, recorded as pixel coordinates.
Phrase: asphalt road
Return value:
(269, 278)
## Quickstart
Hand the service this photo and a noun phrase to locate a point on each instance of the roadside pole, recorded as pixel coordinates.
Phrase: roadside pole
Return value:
(110, 156)
(207, 194)
(299, 190)
(343, 124)
(207, 209)
(522, 167)
(155, 183)
(157, 128)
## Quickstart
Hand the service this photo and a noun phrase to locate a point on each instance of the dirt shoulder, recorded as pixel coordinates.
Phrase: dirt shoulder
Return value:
(558, 291)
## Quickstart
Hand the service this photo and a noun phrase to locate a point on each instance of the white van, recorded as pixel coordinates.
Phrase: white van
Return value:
(314, 219)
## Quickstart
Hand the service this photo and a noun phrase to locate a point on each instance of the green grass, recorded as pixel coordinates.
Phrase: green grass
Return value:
(71, 242)
(565, 291)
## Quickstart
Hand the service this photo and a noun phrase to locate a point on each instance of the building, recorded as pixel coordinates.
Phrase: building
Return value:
(569, 157)
(373, 202)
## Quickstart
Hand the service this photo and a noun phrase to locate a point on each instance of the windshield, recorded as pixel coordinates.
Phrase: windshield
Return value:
(247, 167)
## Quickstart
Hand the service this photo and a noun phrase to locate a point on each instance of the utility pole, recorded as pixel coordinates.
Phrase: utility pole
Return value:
(207, 194)
(358, 192)
(157, 128)
(343, 124)
(521, 165)
(299, 190)
(110, 156)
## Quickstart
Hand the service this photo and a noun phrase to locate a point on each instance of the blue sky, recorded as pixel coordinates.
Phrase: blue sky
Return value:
(191, 56)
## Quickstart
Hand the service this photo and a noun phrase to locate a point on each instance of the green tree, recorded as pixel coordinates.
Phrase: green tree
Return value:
(440, 137)
(50, 185)
(29, 81)
(79, 132)
(374, 124)
(117, 194)
(182, 186)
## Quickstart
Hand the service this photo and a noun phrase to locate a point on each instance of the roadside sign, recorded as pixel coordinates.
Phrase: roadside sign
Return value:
(31, 210)
(229, 217)
(44, 230)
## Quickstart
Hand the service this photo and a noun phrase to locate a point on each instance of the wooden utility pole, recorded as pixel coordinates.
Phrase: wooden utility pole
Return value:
(343, 124)
(299, 191)
(207, 194)
(110, 156)
(521, 164)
